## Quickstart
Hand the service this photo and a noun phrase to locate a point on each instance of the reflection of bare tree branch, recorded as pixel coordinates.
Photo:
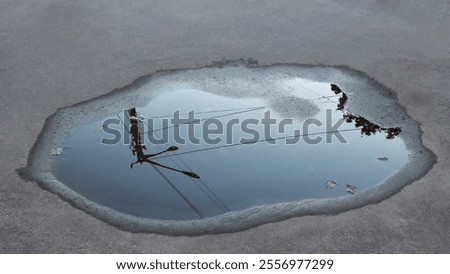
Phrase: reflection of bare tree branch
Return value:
(367, 128)
(392, 132)
(336, 89)
(342, 101)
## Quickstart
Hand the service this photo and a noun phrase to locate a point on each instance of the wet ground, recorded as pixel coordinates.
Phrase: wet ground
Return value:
(55, 54)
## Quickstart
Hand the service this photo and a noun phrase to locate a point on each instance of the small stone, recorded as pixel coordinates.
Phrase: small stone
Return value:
(330, 184)
(351, 188)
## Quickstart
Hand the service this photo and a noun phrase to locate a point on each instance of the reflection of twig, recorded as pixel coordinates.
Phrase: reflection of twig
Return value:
(335, 88)
(368, 128)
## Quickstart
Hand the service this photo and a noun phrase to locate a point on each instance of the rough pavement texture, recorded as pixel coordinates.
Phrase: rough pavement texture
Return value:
(58, 53)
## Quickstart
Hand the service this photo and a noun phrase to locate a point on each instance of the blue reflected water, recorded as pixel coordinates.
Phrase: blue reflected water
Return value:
(233, 176)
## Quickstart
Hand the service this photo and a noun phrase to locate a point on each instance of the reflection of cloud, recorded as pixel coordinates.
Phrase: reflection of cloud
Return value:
(294, 107)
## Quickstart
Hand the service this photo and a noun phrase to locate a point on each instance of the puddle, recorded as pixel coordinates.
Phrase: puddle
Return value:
(221, 149)
(230, 175)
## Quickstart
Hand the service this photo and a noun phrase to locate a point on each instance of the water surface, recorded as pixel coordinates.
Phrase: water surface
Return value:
(235, 173)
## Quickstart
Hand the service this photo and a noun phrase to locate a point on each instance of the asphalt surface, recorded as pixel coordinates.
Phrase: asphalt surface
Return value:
(58, 53)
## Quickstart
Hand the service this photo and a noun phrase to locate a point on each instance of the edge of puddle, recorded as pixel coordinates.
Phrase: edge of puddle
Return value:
(58, 126)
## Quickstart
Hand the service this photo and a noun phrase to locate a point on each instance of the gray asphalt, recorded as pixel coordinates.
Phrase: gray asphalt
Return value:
(58, 53)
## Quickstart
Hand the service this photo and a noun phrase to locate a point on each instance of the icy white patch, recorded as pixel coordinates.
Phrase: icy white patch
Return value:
(56, 151)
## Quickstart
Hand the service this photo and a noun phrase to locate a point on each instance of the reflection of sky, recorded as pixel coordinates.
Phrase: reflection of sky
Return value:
(241, 176)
